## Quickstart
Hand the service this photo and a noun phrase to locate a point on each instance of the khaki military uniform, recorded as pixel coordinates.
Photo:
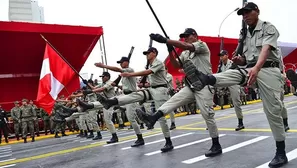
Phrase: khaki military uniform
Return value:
(27, 119)
(284, 111)
(269, 80)
(129, 86)
(204, 98)
(92, 114)
(108, 92)
(234, 92)
(158, 92)
(16, 116)
(169, 79)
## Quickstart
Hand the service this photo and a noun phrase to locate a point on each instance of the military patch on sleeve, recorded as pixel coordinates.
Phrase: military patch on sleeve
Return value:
(270, 30)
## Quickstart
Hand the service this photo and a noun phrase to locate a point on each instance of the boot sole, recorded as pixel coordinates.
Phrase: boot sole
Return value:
(213, 155)
(137, 145)
(279, 165)
(238, 129)
(112, 142)
(167, 150)
(142, 116)
(101, 99)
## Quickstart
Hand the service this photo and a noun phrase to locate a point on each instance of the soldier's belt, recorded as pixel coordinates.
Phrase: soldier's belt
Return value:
(267, 64)
(157, 86)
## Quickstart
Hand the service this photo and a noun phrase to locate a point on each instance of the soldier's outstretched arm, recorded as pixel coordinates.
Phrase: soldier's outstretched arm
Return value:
(112, 68)
(140, 73)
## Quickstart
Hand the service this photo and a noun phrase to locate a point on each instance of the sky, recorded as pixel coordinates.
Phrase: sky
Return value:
(128, 23)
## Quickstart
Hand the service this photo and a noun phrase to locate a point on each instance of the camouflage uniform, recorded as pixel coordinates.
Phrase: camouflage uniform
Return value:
(16, 117)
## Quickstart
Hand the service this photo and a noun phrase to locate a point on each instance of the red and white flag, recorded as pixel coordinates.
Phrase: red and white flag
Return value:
(54, 76)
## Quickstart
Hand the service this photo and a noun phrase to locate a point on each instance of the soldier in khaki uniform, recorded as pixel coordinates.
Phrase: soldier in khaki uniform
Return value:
(169, 79)
(27, 119)
(262, 68)
(157, 91)
(16, 117)
(107, 89)
(90, 117)
(234, 90)
(284, 110)
(128, 87)
(197, 52)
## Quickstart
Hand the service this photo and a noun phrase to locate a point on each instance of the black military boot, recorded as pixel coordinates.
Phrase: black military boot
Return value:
(172, 127)
(57, 135)
(141, 126)
(25, 140)
(37, 134)
(107, 103)
(85, 134)
(91, 135)
(63, 134)
(139, 141)
(240, 125)
(280, 157)
(18, 138)
(45, 132)
(168, 145)
(81, 133)
(121, 126)
(113, 139)
(99, 136)
(6, 139)
(69, 110)
(215, 149)
(149, 120)
(287, 128)
(84, 106)
(33, 139)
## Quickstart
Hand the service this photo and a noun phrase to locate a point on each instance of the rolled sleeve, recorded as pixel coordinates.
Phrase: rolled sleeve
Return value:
(156, 67)
(200, 47)
(270, 36)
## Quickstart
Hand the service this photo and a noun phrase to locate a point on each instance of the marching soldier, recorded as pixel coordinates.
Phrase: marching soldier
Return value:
(234, 90)
(107, 89)
(128, 87)
(197, 53)
(16, 117)
(3, 125)
(284, 76)
(262, 62)
(46, 120)
(27, 119)
(36, 120)
(157, 91)
(169, 79)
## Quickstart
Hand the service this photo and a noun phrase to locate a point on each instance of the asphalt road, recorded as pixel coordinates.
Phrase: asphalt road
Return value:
(251, 148)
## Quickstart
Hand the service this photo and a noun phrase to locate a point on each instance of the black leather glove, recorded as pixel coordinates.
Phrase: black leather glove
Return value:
(86, 92)
(170, 48)
(85, 82)
(158, 38)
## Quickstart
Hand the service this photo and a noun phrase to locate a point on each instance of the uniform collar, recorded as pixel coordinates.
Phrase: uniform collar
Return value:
(259, 25)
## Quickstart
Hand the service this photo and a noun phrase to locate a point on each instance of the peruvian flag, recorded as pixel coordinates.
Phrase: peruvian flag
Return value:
(55, 75)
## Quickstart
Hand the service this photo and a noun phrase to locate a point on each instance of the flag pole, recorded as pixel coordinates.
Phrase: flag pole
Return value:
(104, 51)
(62, 57)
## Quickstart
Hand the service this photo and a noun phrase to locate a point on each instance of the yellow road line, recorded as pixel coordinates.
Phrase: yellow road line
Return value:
(41, 156)
(233, 129)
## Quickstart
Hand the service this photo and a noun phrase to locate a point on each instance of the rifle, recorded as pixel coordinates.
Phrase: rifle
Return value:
(187, 81)
(144, 78)
(239, 49)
